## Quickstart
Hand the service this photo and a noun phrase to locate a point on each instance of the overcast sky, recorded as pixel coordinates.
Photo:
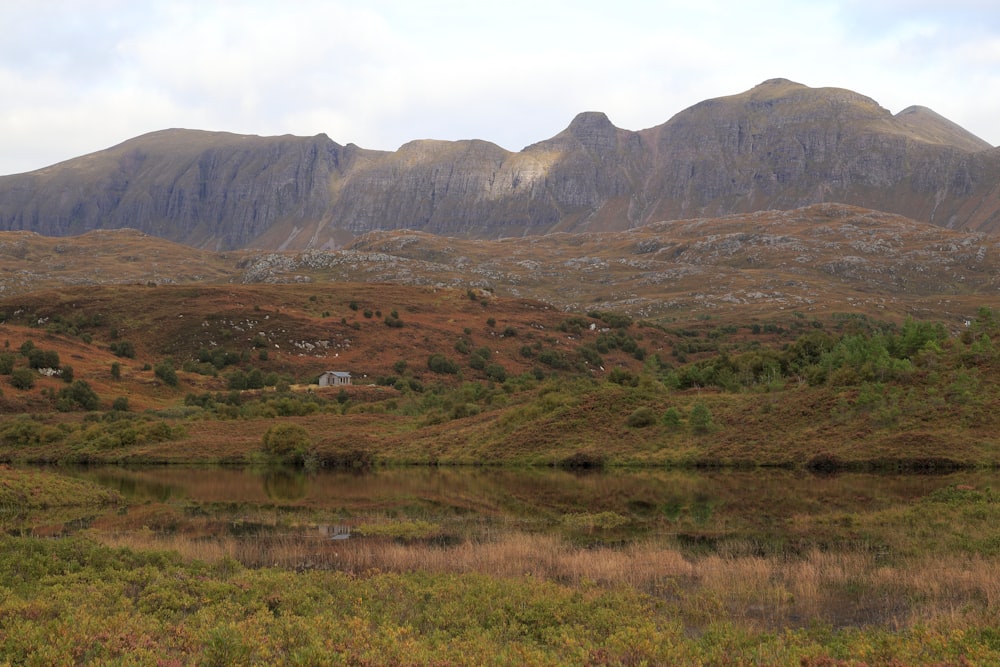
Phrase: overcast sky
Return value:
(78, 76)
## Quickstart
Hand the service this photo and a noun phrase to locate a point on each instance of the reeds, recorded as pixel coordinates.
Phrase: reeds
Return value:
(840, 588)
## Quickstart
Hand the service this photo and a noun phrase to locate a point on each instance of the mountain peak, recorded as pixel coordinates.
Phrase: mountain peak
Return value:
(784, 83)
(594, 130)
(932, 127)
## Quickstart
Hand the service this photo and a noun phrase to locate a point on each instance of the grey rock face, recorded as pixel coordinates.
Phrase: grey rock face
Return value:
(780, 145)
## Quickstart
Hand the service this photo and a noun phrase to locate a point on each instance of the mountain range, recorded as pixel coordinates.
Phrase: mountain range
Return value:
(779, 146)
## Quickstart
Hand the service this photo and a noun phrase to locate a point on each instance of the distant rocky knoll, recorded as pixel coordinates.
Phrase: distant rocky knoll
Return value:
(780, 145)
(825, 258)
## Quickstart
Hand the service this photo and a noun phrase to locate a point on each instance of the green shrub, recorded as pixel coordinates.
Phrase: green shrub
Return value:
(24, 431)
(288, 442)
(237, 380)
(165, 371)
(7, 363)
(554, 359)
(78, 395)
(672, 417)
(22, 378)
(701, 418)
(38, 358)
(123, 349)
(641, 418)
(441, 364)
(479, 358)
(496, 372)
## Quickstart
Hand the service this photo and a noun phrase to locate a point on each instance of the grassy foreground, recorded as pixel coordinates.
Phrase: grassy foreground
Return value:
(911, 584)
(75, 602)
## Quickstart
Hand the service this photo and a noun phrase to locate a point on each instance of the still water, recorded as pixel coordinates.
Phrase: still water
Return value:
(613, 506)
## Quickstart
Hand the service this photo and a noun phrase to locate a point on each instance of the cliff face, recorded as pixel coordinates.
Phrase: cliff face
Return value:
(780, 145)
(783, 145)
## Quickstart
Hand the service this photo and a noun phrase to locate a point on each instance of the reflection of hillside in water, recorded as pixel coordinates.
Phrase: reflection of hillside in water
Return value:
(752, 495)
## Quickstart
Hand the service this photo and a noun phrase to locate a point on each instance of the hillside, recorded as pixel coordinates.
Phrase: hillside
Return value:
(869, 337)
(817, 260)
(780, 145)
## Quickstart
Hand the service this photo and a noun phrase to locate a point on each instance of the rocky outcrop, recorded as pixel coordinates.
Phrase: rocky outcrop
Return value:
(780, 145)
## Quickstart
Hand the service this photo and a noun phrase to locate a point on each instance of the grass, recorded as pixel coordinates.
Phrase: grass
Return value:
(520, 599)
(34, 489)
(732, 567)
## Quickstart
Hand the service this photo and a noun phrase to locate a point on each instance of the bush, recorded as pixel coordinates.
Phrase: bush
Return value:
(554, 359)
(392, 320)
(78, 395)
(123, 349)
(701, 418)
(441, 364)
(641, 418)
(672, 417)
(165, 371)
(289, 442)
(623, 377)
(7, 363)
(496, 372)
(38, 358)
(237, 380)
(479, 358)
(22, 378)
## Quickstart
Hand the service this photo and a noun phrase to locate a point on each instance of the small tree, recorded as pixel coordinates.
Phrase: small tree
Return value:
(701, 418)
(441, 364)
(496, 372)
(79, 394)
(6, 363)
(165, 371)
(672, 417)
(116, 370)
(287, 442)
(22, 378)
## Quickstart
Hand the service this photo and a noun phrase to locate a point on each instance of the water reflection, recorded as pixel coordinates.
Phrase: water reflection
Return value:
(285, 484)
(741, 510)
(757, 496)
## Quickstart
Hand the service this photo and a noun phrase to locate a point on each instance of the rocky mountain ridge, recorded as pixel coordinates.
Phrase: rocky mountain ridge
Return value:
(780, 145)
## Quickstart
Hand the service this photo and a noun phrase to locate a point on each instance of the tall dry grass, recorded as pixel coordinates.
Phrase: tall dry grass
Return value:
(846, 588)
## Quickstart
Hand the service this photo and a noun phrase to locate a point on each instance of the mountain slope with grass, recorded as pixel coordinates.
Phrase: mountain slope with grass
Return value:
(203, 373)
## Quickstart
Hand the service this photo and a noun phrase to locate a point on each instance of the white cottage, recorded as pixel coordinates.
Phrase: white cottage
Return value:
(334, 378)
